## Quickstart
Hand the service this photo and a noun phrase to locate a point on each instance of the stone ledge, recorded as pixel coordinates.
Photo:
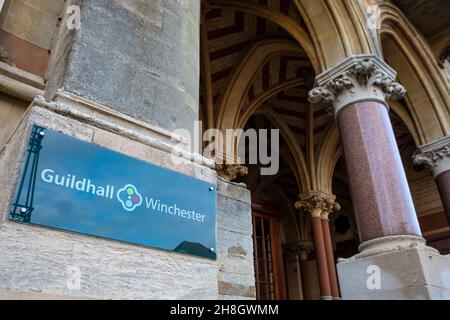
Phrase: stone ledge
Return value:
(102, 117)
(19, 83)
(233, 190)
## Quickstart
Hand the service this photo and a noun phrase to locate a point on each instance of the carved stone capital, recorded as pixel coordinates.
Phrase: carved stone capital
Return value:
(231, 172)
(435, 155)
(300, 249)
(318, 204)
(357, 78)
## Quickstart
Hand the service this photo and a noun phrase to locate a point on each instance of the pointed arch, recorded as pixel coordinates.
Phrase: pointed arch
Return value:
(243, 76)
(294, 147)
(329, 152)
(287, 23)
(409, 54)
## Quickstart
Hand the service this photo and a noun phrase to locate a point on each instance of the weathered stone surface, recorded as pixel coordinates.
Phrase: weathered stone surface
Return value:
(234, 243)
(140, 58)
(12, 295)
(140, 151)
(11, 160)
(231, 289)
(414, 273)
(50, 120)
(233, 190)
(39, 260)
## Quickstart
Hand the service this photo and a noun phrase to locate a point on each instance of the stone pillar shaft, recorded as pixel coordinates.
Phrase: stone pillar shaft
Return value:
(324, 279)
(320, 205)
(436, 156)
(306, 283)
(443, 182)
(379, 188)
(330, 259)
(392, 246)
(301, 251)
(356, 89)
(146, 65)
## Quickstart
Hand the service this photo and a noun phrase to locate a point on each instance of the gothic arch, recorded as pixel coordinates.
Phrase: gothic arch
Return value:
(333, 32)
(264, 96)
(337, 29)
(243, 75)
(409, 54)
(330, 150)
(291, 26)
(297, 153)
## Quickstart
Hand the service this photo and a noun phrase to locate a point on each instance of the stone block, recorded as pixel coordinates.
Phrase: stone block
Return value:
(234, 242)
(138, 59)
(412, 273)
(39, 260)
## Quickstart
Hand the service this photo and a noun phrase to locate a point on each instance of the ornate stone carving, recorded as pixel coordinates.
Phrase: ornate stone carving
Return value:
(435, 155)
(4, 53)
(363, 70)
(300, 249)
(358, 78)
(231, 172)
(318, 204)
(320, 95)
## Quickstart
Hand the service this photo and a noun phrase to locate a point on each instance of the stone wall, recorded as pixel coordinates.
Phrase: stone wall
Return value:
(38, 262)
(11, 110)
(234, 242)
(138, 57)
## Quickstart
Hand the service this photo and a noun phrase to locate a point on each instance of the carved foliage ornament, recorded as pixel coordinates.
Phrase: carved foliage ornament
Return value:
(431, 158)
(367, 74)
(231, 172)
(300, 248)
(316, 203)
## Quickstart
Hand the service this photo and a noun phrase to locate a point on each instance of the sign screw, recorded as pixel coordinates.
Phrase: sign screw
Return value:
(212, 249)
(23, 210)
(42, 133)
(211, 188)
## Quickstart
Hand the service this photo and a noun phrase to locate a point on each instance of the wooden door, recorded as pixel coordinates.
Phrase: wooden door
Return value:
(267, 256)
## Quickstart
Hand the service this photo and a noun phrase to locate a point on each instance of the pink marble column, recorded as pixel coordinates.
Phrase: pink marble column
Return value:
(436, 156)
(306, 285)
(356, 91)
(443, 182)
(321, 255)
(331, 264)
(380, 191)
(319, 205)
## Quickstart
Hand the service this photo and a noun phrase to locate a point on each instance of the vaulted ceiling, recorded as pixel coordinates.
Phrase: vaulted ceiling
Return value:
(288, 75)
(277, 94)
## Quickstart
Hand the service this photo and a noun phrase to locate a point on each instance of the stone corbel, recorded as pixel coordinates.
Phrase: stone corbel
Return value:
(231, 172)
(434, 155)
(358, 78)
(300, 249)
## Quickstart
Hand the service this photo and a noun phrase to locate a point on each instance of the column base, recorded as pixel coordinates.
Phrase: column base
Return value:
(395, 268)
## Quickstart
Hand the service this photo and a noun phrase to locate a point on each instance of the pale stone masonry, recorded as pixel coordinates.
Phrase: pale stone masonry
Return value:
(137, 57)
(234, 241)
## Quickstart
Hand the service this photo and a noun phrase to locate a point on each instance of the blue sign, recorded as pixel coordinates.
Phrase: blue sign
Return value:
(77, 186)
